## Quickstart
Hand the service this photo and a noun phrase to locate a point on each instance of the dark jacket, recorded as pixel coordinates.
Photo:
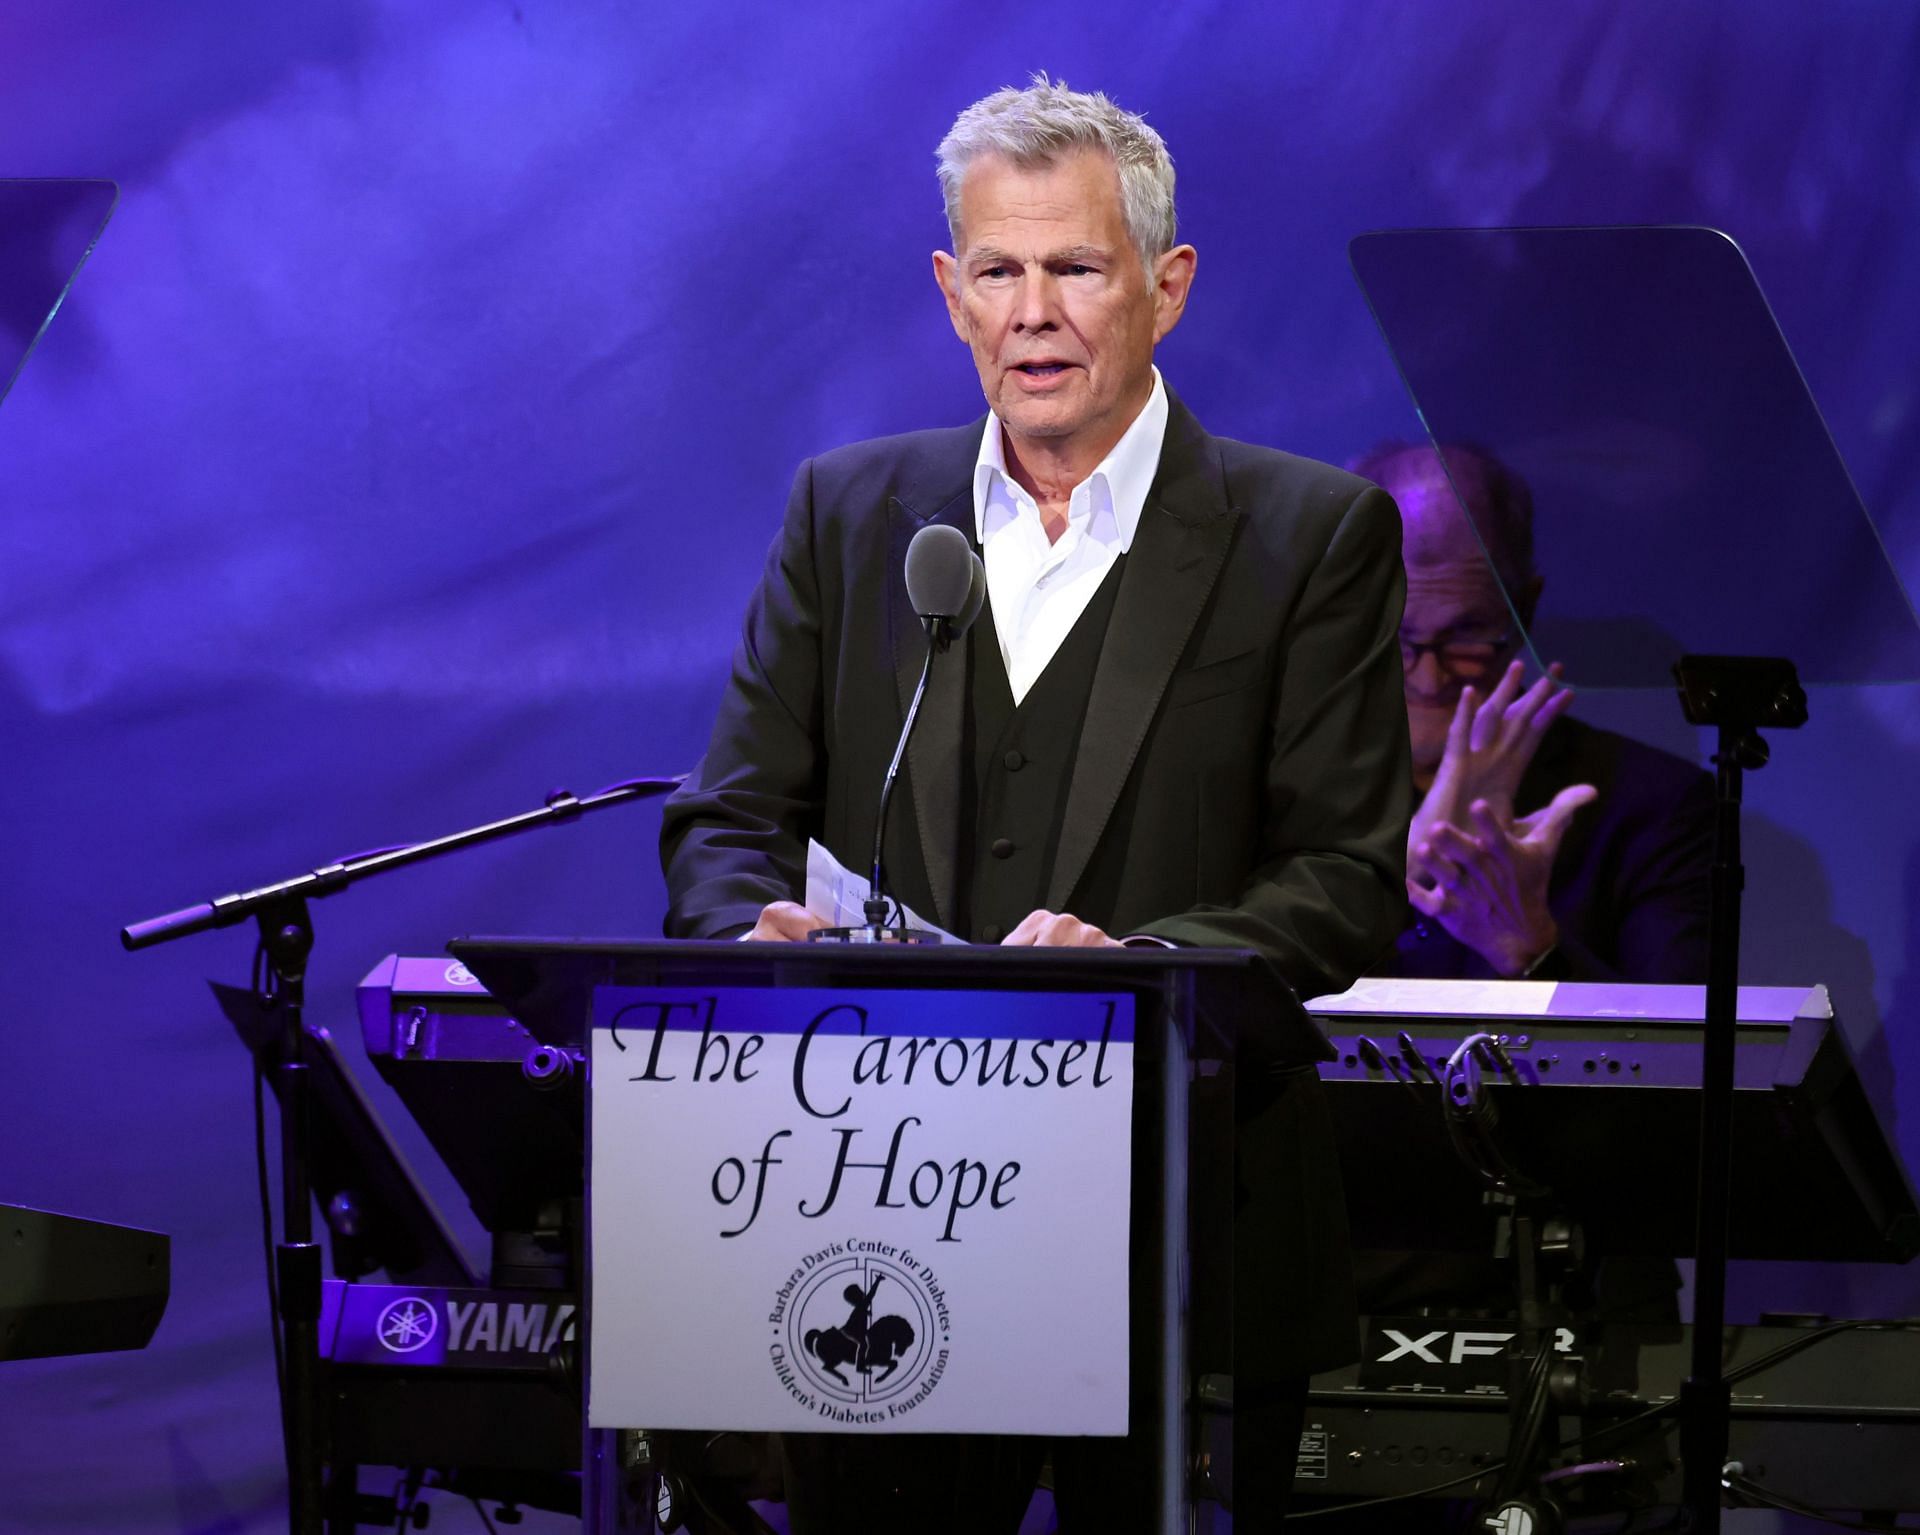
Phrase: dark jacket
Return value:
(1242, 777)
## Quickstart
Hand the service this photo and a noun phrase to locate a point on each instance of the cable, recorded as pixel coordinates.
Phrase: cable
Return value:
(266, 992)
(1746, 1371)
(1524, 1440)
(266, 1232)
(1469, 1116)
(1417, 1066)
(1488, 1469)
(1377, 1059)
(1746, 1487)
(483, 1514)
(1813, 1335)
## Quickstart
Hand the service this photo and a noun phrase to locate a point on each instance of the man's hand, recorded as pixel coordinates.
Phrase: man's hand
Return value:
(783, 922)
(1489, 745)
(1058, 930)
(1488, 888)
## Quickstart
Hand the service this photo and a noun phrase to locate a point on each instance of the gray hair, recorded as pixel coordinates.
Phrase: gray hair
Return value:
(1035, 126)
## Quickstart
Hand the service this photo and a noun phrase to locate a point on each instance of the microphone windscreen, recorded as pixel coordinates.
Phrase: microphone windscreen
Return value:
(940, 565)
(976, 598)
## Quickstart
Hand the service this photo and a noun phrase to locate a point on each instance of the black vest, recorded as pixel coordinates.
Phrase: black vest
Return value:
(1018, 767)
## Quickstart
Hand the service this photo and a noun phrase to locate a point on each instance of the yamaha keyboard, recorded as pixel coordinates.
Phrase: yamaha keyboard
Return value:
(477, 1083)
(431, 1375)
(1601, 1106)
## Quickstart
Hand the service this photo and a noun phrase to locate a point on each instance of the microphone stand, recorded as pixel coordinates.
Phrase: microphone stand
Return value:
(286, 941)
(877, 906)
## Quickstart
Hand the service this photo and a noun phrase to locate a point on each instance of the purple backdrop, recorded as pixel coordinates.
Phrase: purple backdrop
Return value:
(410, 444)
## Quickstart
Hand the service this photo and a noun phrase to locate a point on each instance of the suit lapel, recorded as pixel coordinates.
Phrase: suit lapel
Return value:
(1177, 554)
(933, 755)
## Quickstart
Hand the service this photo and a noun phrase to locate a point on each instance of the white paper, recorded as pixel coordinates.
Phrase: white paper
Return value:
(839, 896)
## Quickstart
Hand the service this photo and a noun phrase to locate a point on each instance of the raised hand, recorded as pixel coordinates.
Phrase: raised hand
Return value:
(1488, 887)
(1490, 742)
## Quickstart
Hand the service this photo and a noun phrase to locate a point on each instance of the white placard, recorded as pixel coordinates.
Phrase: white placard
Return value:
(860, 1211)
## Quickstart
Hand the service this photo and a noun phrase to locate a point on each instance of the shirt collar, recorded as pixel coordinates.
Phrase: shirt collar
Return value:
(1128, 470)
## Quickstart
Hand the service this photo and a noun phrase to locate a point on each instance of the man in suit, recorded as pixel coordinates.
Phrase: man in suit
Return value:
(1179, 719)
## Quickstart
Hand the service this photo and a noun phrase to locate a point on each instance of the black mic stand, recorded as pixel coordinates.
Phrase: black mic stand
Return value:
(286, 940)
(1738, 695)
(877, 907)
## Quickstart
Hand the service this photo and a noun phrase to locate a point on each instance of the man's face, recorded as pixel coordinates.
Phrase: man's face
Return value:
(1051, 298)
(1458, 629)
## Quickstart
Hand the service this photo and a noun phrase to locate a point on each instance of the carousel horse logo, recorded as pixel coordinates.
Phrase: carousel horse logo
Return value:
(862, 1329)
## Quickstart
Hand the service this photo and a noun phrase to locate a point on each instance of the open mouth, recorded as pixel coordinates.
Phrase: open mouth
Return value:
(1039, 370)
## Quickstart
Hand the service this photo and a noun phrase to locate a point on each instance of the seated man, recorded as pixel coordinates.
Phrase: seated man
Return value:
(1542, 847)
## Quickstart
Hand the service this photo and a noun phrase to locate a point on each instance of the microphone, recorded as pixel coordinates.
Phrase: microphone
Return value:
(947, 585)
(946, 582)
(976, 597)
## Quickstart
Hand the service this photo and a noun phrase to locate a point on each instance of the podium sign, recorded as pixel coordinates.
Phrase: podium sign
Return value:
(867, 1211)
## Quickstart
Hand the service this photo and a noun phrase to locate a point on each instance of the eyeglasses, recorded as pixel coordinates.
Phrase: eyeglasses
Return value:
(1457, 655)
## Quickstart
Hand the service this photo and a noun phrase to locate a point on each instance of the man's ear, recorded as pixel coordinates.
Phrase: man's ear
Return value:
(946, 272)
(1172, 281)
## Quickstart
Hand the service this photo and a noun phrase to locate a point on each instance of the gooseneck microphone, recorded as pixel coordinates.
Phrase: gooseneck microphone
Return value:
(947, 585)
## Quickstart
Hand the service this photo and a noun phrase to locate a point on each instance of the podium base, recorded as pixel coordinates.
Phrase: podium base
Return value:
(872, 934)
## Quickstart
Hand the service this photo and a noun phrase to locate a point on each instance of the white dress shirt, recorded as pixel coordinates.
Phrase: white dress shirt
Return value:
(1039, 589)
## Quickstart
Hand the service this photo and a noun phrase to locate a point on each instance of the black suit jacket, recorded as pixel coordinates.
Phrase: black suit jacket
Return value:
(1242, 778)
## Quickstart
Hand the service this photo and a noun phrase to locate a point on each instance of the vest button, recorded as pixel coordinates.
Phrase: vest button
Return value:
(1014, 762)
(1002, 847)
(991, 933)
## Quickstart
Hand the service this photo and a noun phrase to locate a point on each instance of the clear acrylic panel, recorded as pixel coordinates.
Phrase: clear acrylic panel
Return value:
(1688, 498)
(47, 231)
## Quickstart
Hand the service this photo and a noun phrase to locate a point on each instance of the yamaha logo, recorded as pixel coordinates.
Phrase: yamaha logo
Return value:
(487, 1328)
(861, 1332)
(457, 974)
(407, 1325)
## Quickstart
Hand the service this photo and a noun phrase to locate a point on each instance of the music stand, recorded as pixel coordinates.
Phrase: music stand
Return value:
(377, 1214)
